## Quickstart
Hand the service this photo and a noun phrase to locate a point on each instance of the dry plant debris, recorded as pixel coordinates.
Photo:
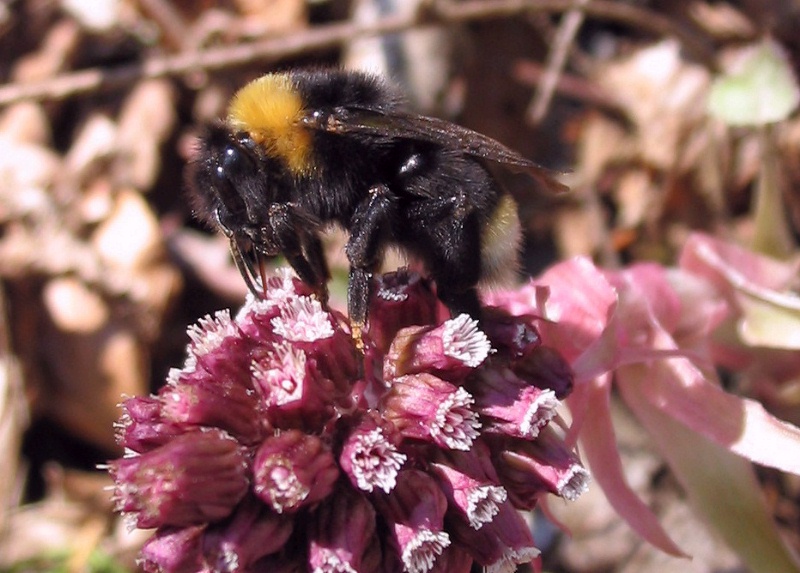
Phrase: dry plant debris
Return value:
(102, 266)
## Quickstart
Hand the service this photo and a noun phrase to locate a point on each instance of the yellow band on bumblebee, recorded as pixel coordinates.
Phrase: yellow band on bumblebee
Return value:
(269, 110)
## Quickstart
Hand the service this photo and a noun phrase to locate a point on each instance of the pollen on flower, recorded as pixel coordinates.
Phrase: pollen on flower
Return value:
(302, 319)
(420, 554)
(539, 413)
(574, 483)
(210, 331)
(375, 462)
(278, 484)
(483, 503)
(280, 373)
(464, 341)
(455, 423)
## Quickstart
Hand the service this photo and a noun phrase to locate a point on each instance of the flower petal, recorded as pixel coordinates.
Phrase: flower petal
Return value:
(721, 486)
(601, 453)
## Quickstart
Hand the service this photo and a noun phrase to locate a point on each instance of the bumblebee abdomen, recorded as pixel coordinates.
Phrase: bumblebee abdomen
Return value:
(500, 244)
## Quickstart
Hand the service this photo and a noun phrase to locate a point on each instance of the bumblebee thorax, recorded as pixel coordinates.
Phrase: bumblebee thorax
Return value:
(269, 110)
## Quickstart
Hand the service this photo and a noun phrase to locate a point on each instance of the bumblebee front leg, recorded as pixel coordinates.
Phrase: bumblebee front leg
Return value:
(301, 247)
(369, 229)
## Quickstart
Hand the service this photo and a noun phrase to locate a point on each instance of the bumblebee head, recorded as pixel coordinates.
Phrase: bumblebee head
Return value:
(214, 176)
(230, 190)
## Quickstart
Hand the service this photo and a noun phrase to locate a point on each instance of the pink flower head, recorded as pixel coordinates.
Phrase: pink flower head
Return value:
(198, 476)
(280, 448)
(292, 470)
(425, 407)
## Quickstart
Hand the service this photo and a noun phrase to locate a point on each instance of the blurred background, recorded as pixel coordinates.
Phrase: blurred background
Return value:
(102, 266)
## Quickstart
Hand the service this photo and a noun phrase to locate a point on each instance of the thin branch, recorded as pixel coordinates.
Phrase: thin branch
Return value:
(568, 85)
(567, 30)
(334, 35)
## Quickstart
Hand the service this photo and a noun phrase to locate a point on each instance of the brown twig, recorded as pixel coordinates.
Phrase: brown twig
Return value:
(567, 30)
(532, 73)
(169, 20)
(333, 35)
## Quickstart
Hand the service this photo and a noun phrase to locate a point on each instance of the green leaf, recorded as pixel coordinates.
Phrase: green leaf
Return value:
(763, 90)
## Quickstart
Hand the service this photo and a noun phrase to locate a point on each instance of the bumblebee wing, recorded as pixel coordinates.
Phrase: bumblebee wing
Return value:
(402, 125)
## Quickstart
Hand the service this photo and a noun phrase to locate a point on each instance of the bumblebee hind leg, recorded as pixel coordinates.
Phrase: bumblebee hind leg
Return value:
(450, 245)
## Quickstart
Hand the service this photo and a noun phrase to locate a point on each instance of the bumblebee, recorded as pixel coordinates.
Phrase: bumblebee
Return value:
(305, 149)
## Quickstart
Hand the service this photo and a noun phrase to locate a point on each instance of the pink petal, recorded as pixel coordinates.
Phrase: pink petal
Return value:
(730, 266)
(721, 486)
(757, 285)
(678, 388)
(600, 450)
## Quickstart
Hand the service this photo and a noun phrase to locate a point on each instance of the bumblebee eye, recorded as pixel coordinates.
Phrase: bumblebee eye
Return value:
(230, 161)
(229, 166)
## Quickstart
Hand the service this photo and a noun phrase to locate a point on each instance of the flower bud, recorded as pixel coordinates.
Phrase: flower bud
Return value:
(470, 484)
(509, 406)
(425, 407)
(500, 545)
(292, 390)
(303, 322)
(529, 468)
(545, 368)
(195, 478)
(174, 550)
(415, 511)
(342, 537)
(401, 299)
(510, 335)
(252, 532)
(211, 332)
(142, 427)
(199, 398)
(449, 350)
(292, 470)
